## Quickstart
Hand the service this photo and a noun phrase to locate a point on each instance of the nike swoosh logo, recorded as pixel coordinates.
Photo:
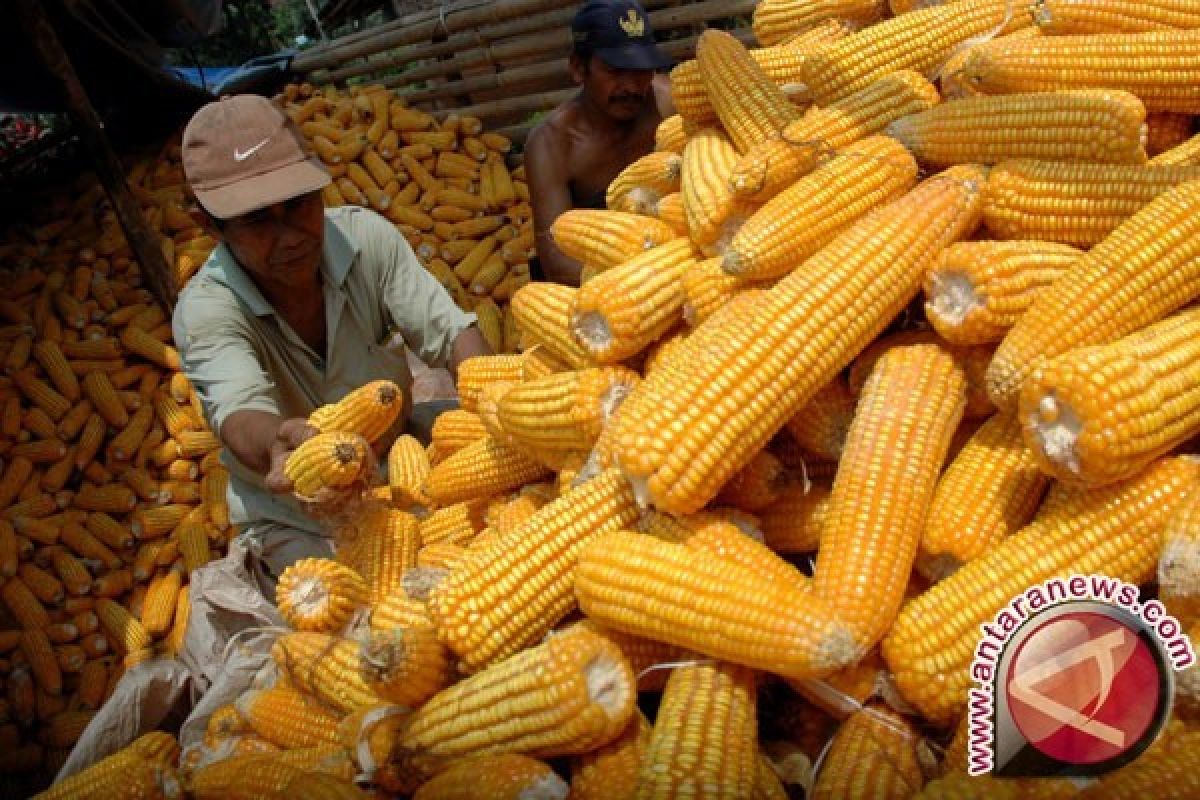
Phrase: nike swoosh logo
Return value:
(238, 155)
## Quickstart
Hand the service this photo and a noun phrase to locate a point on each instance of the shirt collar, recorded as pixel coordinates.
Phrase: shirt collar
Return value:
(337, 256)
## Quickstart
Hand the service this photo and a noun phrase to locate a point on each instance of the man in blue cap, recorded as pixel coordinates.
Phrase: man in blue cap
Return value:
(579, 148)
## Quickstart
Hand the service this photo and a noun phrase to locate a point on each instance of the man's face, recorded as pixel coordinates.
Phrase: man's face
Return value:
(621, 93)
(280, 243)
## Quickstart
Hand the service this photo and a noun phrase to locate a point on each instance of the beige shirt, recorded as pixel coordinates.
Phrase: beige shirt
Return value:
(240, 356)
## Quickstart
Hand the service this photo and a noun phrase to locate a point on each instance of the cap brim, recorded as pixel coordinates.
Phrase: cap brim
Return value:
(260, 191)
(635, 56)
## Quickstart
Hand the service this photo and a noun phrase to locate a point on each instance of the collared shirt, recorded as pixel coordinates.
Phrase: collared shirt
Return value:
(241, 356)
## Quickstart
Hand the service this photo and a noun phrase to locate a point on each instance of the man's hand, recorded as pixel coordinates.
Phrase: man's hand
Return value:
(290, 435)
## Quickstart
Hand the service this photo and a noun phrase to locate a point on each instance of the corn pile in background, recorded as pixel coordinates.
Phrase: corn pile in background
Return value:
(744, 384)
(446, 186)
(111, 490)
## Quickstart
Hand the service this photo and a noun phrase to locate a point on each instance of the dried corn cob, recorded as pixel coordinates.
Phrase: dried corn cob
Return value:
(777, 21)
(380, 544)
(456, 429)
(503, 777)
(989, 491)
(327, 667)
(920, 40)
(652, 588)
(705, 735)
(328, 461)
(708, 200)
(978, 290)
(1159, 67)
(476, 373)
(1115, 530)
(369, 411)
(873, 755)
(821, 426)
(1117, 288)
(543, 313)
(638, 187)
(408, 467)
(519, 585)
(405, 665)
(319, 594)
(1113, 16)
(1071, 203)
(1186, 154)
(750, 106)
(1087, 426)
(571, 694)
(678, 453)
(805, 217)
(611, 772)
(121, 626)
(480, 470)
(287, 717)
(620, 312)
(1096, 126)
(124, 774)
(793, 523)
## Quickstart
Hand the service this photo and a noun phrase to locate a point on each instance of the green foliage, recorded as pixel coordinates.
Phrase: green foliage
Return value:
(252, 28)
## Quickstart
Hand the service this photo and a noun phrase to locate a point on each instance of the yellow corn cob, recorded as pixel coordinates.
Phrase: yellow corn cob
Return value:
(99, 390)
(563, 413)
(989, 491)
(978, 290)
(707, 288)
(1186, 154)
(319, 594)
(708, 201)
(1117, 288)
(803, 218)
(380, 544)
(43, 396)
(212, 490)
(140, 342)
(794, 522)
(1096, 126)
(479, 470)
(1159, 67)
(1113, 16)
(1115, 530)
(543, 313)
(326, 667)
(173, 643)
(476, 373)
(873, 755)
(457, 524)
(149, 523)
(521, 581)
(670, 136)
(39, 654)
(569, 695)
(1084, 209)
(820, 427)
(157, 746)
(490, 322)
(288, 718)
(175, 418)
(123, 774)
(45, 586)
(408, 467)
(705, 735)
(620, 312)
(638, 187)
(124, 445)
(405, 665)
(456, 429)
(158, 609)
(611, 772)
(909, 409)
(603, 239)
(1087, 427)
(121, 626)
(652, 588)
(251, 773)
(194, 444)
(679, 452)
(1164, 773)
(750, 106)
(777, 21)
(500, 777)
(1179, 565)
(368, 411)
(54, 364)
(756, 485)
(328, 460)
(920, 40)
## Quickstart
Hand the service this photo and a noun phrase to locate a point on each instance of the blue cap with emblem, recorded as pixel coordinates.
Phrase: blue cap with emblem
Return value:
(619, 33)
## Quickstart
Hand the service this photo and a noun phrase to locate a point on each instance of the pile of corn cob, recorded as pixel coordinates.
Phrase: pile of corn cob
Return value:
(110, 488)
(744, 384)
(446, 186)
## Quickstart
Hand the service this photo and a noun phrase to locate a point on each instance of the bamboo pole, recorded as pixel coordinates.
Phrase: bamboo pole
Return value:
(453, 21)
(143, 241)
(555, 44)
(477, 39)
(528, 103)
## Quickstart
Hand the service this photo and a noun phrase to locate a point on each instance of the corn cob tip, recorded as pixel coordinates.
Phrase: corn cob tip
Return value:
(1179, 567)
(952, 297)
(546, 787)
(345, 452)
(838, 650)
(418, 582)
(593, 331)
(1053, 428)
(608, 684)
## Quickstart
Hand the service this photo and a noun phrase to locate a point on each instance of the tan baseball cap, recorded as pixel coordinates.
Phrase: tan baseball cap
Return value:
(242, 153)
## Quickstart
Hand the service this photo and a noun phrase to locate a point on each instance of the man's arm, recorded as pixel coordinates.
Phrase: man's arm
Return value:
(468, 344)
(546, 168)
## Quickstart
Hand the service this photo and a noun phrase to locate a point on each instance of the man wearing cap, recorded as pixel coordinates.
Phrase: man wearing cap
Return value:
(292, 310)
(574, 154)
